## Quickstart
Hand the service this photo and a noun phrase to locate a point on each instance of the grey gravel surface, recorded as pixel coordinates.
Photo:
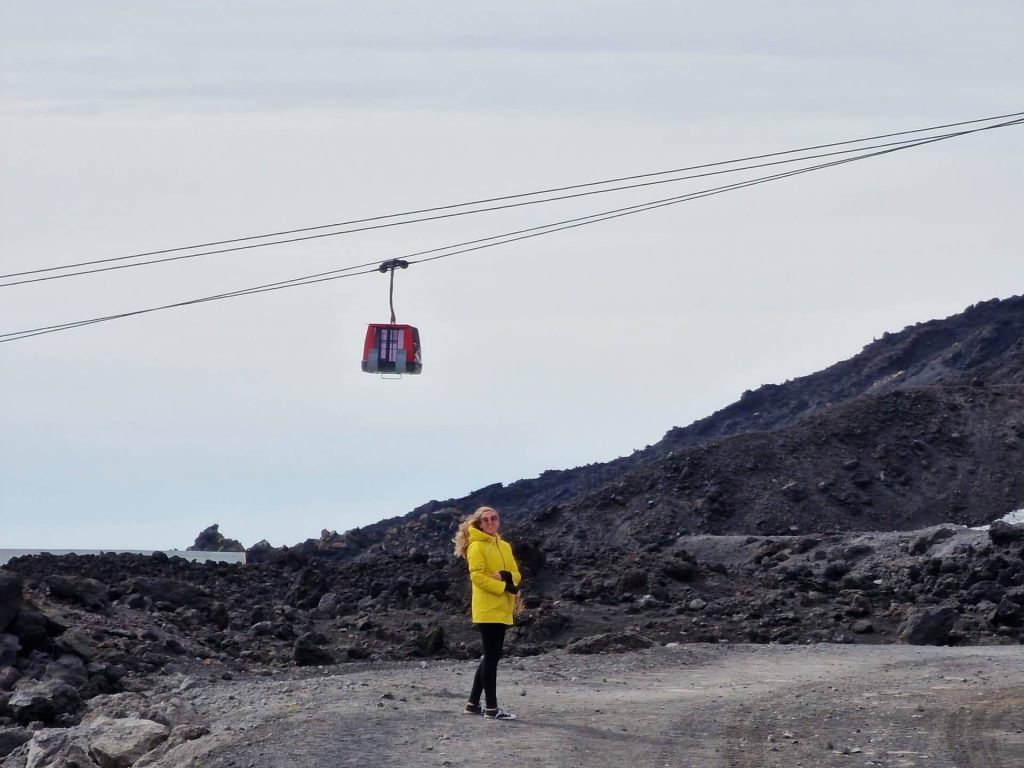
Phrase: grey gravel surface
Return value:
(736, 706)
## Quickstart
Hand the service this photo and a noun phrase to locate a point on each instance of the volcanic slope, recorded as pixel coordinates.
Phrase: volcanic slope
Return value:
(920, 428)
(902, 460)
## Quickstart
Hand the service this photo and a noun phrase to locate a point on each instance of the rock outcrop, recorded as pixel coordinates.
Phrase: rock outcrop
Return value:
(211, 540)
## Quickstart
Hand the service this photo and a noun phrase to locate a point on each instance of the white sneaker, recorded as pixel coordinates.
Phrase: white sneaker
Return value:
(498, 714)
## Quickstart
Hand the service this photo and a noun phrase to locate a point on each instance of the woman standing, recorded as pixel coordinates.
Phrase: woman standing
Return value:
(495, 578)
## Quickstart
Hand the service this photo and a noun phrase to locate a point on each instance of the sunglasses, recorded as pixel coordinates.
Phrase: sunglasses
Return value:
(488, 519)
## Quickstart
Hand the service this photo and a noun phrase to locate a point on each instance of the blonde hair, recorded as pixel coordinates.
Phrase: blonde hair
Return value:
(461, 539)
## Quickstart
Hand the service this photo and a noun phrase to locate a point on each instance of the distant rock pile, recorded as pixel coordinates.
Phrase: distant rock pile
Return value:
(211, 540)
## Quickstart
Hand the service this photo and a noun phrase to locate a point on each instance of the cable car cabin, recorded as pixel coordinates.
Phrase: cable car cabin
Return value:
(391, 348)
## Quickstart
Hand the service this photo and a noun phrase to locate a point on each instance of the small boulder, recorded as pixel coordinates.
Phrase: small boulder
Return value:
(119, 743)
(927, 540)
(307, 652)
(91, 594)
(1007, 613)
(219, 616)
(432, 642)
(58, 748)
(174, 592)
(179, 735)
(928, 626)
(43, 700)
(70, 669)
(862, 627)
(9, 647)
(1002, 533)
(12, 738)
(9, 676)
(984, 590)
(10, 597)
(113, 706)
(75, 641)
(329, 605)
(634, 580)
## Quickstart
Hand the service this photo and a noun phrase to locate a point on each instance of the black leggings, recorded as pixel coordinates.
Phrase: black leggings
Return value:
(486, 679)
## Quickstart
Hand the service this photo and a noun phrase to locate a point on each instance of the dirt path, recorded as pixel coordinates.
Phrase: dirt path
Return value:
(730, 706)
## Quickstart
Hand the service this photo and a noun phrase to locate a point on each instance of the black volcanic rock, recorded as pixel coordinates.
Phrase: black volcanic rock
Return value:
(928, 626)
(12, 738)
(307, 651)
(1004, 533)
(10, 597)
(89, 593)
(924, 457)
(44, 700)
(170, 591)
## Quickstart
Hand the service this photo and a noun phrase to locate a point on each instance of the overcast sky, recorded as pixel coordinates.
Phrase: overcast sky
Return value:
(130, 127)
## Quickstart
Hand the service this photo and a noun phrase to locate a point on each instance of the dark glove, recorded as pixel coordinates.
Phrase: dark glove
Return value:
(510, 586)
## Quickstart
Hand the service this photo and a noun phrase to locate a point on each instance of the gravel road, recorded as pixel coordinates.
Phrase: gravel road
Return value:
(685, 705)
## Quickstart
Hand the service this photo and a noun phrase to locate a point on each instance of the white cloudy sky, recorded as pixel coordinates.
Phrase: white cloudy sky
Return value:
(127, 127)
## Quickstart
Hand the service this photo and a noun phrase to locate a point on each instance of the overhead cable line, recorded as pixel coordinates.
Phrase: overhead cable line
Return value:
(484, 201)
(490, 209)
(458, 214)
(476, 245)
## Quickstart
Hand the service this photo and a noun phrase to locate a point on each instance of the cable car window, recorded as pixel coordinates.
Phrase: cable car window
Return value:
(389, 342)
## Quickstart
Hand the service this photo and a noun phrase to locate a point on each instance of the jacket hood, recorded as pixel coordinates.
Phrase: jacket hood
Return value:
(475, 534)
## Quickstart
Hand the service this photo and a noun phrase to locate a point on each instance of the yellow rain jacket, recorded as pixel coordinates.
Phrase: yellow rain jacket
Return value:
(486, 555)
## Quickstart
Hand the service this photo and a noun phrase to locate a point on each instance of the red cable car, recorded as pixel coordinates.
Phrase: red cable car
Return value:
(390, 347)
